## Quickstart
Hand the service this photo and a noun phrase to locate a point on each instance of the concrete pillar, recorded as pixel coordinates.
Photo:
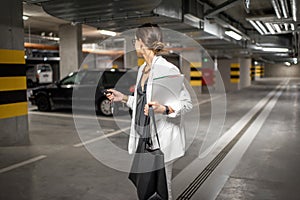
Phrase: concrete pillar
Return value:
(245, 73)
(235, 73)
(13, 100)
(70, 48)
(191, 66)
(224, 69)
(130, 57)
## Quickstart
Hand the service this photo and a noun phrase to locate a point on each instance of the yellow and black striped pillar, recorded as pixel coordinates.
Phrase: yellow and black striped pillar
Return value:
(13, 99)
(196, 74)
(252, 73)
(259, 71)
(234, 72)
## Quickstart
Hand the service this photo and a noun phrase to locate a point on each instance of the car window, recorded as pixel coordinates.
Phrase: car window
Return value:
(91, 78)
(111, 78)
(72, 79)
(44, 68)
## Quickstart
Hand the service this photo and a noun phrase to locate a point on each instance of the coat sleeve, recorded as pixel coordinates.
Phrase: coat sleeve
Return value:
(130, 101)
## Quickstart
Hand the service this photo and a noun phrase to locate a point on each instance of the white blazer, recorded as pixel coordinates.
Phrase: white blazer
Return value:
(171, 131)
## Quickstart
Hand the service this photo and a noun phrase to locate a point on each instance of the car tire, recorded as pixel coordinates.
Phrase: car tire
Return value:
(43, 103)
(104, 107)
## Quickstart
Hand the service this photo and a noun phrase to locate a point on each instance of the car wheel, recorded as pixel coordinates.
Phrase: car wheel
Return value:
(105, 107)
(43, 103)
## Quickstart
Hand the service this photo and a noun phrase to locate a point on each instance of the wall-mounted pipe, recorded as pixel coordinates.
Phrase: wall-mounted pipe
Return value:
(277, 9)
(285, 8)
(294, 9)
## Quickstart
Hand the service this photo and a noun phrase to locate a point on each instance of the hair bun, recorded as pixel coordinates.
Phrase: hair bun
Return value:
(157, 46)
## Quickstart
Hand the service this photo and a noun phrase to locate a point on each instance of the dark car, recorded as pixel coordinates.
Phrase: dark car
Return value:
(84, 90)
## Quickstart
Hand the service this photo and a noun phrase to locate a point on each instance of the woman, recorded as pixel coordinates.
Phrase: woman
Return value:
(148, 44)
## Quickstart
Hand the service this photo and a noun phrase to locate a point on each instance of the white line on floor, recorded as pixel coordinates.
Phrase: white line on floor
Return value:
(186, 176)
(101, 137)
(26, 162)
(76, 116)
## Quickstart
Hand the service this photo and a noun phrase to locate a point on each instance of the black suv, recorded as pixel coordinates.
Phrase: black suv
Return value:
(84, 90)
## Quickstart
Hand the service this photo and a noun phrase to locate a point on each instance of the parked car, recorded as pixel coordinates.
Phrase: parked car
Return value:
(38, 74)
(83, 89)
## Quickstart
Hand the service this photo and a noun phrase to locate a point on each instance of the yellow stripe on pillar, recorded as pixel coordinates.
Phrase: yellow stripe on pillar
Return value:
(13, 83)
(12, 56)
(13, 110)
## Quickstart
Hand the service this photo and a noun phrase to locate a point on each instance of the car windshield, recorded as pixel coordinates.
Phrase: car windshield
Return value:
(72, 79)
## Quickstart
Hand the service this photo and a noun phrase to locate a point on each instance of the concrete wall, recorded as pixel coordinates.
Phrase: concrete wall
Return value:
(281, 70)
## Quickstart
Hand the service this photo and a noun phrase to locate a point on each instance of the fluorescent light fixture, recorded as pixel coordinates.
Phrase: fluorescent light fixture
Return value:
(284, 8)
(261, 26)
(106, 32)
(270, 28)
(272, 49)
(276, 8)
(234, 35)
(256, 27)
(292, 27)
(25, 17)
(277, 28)
(192, 18)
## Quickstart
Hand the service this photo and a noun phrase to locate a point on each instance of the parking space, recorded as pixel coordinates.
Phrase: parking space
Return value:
(57, 165)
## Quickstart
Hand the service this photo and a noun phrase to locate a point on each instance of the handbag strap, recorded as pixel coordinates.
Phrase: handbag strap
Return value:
(152, 116)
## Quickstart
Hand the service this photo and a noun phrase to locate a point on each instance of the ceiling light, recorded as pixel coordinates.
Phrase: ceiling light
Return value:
(272, 49)
(25, 17)
(256, 27)
(277, 28)
(261, 26)
(234, 35)
(105, 32)
(292, 27)
(192, 18)
(270, 28)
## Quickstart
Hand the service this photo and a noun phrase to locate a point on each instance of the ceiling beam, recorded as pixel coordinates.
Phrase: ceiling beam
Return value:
(220, 8)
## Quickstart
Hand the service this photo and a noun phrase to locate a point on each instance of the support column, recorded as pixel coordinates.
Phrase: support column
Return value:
(13, 100)
(130, 58)
(245, 73)
(70, 48)
(191, 64)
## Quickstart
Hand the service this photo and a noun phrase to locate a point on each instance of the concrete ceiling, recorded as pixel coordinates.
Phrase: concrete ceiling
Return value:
(215, 16)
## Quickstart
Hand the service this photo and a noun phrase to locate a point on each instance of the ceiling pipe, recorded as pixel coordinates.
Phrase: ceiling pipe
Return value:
(220, 8)
(285, 9)
(277, 8)
(294, 9)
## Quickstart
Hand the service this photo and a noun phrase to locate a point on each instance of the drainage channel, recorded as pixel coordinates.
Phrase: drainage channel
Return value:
(208, 170)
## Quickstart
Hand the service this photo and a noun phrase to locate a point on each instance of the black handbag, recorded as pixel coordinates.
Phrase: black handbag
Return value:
(148, 167)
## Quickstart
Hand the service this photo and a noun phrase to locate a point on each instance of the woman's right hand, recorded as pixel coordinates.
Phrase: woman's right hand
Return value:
(114, 95)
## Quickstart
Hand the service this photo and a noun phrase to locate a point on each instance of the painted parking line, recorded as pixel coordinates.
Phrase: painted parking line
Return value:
(101, 137)
(77, 116)
(26, 162)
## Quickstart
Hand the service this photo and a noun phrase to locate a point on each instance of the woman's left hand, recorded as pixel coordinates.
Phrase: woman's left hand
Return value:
(158, 108)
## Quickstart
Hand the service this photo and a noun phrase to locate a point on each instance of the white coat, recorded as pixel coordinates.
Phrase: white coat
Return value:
(171, 131)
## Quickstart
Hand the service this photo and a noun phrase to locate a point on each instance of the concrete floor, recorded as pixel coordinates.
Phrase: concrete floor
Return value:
(267, 169)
